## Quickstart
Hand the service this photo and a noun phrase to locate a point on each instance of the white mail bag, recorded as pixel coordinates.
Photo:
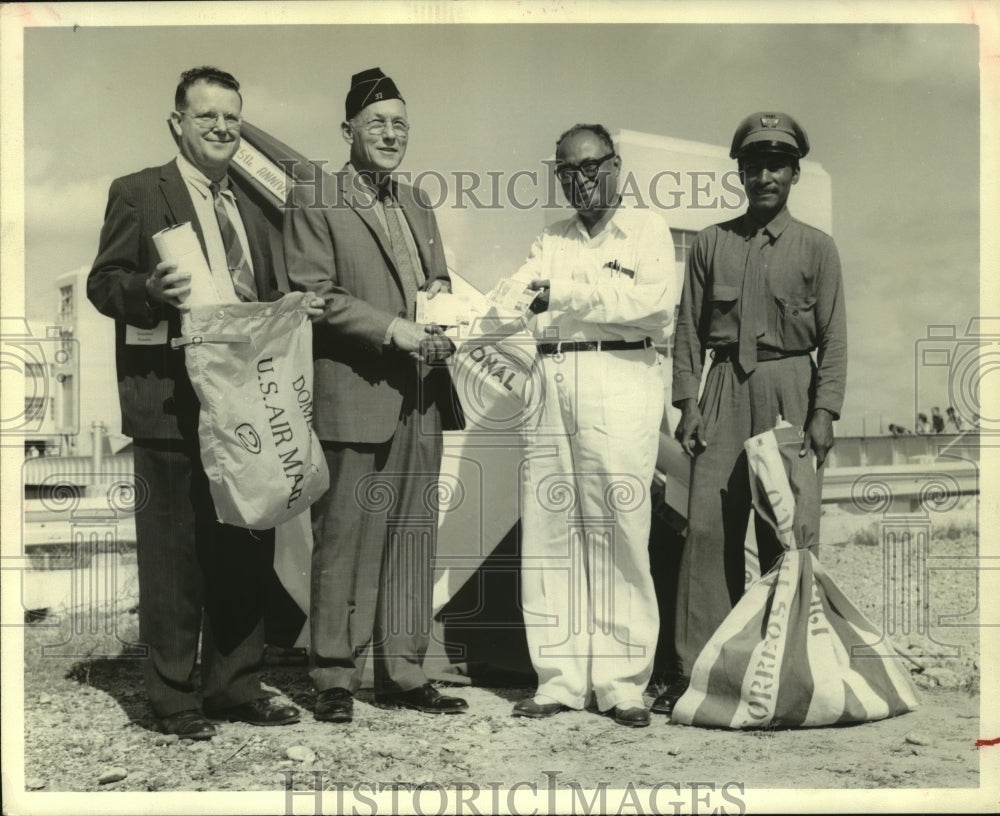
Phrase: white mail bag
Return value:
(251, 367)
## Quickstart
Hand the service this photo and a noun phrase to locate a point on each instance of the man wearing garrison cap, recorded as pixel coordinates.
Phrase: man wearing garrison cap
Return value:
(761, 293)
(367, 243)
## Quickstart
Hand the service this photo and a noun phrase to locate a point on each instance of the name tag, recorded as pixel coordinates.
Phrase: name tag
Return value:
(146, 337)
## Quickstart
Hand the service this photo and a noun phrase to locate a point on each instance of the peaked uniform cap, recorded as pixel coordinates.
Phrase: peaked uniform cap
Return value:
(771, 132)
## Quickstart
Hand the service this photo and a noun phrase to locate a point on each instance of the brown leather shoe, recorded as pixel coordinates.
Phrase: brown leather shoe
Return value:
(190, 724)
(664, 704)
(529, 708)
(424, 698)
(635, 716)
(334, 705)
(261, 712)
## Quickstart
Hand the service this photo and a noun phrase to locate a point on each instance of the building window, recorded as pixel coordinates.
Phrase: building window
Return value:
(66, 302)
(34, 408)
(682, 243)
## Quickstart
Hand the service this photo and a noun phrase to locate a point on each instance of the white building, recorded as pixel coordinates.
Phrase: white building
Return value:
(90, 390)
(36, 362)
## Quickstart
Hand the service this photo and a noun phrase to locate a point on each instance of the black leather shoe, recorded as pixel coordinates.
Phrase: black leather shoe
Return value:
(635, 717)
(262, 712)
(529, 708)
(334, 705)
(188, 725)
(424, 698)
(664, 704)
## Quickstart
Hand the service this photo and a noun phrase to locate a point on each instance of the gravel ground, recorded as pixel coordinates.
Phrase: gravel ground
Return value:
(88, 726)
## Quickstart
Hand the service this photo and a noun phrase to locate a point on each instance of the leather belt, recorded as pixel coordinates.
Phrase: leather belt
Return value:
(592, 345)
(730, 354)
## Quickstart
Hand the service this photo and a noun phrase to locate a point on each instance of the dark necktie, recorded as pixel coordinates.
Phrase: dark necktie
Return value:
(409, 276)
(752, 308)
(239, 269)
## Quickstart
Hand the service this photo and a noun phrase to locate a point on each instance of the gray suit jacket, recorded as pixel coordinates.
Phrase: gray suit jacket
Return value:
(335, 246)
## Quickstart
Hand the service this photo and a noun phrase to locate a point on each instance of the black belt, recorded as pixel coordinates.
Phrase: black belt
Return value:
(731, 354)
(592, 345)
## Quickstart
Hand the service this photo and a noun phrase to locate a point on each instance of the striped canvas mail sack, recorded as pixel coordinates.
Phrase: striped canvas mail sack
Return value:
(794, 651)
(251, 367)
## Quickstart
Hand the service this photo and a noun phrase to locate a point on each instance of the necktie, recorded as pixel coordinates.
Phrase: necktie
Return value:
(752, 308)
(239, 269)
(410, 277)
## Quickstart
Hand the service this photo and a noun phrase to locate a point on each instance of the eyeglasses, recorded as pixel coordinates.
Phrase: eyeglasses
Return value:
(589, 168)
(377, 126)
(207, 121)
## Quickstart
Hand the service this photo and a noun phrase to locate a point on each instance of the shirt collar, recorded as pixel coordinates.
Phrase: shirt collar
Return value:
(194, 177)
(622, 220)
(774, 227)
(363, 183)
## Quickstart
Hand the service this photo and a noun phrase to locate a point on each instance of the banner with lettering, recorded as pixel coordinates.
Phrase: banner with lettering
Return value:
(251, 367)
(794, 652)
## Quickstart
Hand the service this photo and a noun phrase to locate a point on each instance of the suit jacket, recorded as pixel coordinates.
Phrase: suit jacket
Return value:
(156, 396)
(335, 246)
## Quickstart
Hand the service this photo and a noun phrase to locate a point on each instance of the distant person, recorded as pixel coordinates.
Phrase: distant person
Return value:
(954, 419)
(923, 424)
(937, 421)
(196, 575)
(761, 292)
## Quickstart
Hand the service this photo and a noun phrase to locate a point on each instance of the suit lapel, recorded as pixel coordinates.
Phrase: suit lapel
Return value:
(364, 206)
(178, 200)
(365, 209)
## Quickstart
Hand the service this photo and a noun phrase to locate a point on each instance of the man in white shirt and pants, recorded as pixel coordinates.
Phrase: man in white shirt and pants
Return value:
(606, 294)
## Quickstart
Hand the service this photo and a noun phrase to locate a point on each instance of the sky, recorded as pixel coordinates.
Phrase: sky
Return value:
(892, 111)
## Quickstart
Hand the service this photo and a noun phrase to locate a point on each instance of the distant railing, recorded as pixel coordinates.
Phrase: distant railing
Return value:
(866, 451)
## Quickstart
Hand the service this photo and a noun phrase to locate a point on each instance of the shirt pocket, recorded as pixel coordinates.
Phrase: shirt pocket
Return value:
(724, 325)
(795, 324)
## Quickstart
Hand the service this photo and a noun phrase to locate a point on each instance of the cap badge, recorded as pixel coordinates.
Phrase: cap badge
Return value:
(769, 120)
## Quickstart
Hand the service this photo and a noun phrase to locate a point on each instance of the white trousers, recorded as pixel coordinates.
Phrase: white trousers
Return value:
(589, 603)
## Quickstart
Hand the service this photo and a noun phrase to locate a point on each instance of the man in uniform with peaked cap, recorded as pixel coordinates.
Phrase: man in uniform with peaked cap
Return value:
(367, 243)
(762, 293)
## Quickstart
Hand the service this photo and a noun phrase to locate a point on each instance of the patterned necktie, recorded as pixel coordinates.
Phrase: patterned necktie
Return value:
(752, 309)
(239, 269)
(410, 277)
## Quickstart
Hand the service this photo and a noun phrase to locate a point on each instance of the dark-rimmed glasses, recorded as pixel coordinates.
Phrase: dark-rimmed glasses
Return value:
(588, 168)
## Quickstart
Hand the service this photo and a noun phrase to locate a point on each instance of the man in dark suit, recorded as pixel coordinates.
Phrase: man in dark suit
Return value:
(190, 565)
(366, 244)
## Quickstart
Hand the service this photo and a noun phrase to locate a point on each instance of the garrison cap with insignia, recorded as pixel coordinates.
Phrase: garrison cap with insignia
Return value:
(367, 88)
(769, 131)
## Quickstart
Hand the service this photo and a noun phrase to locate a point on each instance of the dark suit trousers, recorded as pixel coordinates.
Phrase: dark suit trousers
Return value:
(374, 534)
(712, 569)
(196, 574)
